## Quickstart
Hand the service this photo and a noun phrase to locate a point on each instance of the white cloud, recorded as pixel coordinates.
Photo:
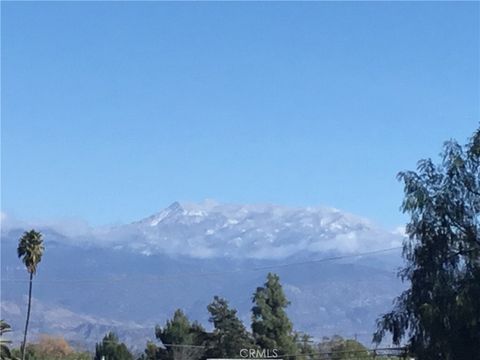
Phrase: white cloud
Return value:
(8, 222)
(214, 234)
(68, 227)
(400, 230)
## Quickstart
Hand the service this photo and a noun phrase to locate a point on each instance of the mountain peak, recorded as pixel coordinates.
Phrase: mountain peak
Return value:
(212, 229)
(175, 206)
(154, 220)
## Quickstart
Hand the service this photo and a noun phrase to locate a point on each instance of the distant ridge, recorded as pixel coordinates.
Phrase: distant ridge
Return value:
(263, 231)
(145, 260)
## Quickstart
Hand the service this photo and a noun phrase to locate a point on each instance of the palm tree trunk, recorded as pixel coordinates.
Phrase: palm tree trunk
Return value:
(24, 344)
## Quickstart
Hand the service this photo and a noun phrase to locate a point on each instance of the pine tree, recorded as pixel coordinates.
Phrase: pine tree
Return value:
(229, 335)
(270, 324)
(183, 340)
(111, 349)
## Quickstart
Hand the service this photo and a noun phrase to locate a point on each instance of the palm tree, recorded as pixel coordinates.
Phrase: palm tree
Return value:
(30, 249)
(4, 350)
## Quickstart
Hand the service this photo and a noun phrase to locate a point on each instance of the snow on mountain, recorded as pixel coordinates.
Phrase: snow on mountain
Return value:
(98, 279)
(210, 229)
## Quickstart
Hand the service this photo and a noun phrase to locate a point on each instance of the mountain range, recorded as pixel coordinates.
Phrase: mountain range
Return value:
(128, 278)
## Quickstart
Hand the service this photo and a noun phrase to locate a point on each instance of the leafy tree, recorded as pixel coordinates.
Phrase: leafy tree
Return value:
(183, 340)
(439, 315)
(350, 349)
(31, 354)
(152, 352)
(229, 334)
(270, 324)
(305, 346)
(339, 348)
(111, 349)
(30, 249)
(49, 347)
(5, 353)
(52, 348)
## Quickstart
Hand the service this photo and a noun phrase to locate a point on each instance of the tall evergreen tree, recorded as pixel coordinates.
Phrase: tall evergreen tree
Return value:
(30, 250)
(111, 349)
(270, 324)
(229, 334)
(439, 315)
(183, 340)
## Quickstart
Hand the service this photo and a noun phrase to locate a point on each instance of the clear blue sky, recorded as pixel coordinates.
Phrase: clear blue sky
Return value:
(111, 111)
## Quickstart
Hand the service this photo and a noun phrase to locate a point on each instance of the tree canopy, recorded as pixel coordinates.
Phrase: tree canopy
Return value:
(182, 339)
(271, 326)
(338, 348)
(438, 316)
(229, 334)
(5, 353)
(30, 250)
(111, 349)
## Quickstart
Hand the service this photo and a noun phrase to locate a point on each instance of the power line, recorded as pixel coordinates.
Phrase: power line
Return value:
(185, 346)
(333, 352)
(213, 273)
(330, 352)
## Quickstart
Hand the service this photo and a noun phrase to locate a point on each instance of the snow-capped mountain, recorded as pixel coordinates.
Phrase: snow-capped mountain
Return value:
(210, 229)
(130, 277)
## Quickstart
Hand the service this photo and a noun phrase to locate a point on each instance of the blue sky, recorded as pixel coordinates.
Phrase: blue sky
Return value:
(111, 111)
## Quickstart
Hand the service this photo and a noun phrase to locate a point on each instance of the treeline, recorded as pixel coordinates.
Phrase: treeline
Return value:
(50, 348)
(56, 348)
(271, 335)
(271, 332)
